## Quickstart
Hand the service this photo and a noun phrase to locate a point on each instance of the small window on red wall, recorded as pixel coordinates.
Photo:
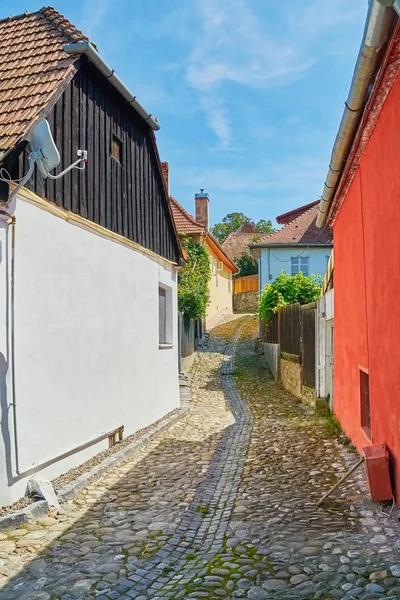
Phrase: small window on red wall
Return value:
(365, 402)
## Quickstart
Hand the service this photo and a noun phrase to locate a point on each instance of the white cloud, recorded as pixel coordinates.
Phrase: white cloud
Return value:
(298, 175)
(231, 45)
(217, 120)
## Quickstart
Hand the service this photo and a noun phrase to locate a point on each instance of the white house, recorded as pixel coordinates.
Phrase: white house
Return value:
(88, 263)
(297, 246)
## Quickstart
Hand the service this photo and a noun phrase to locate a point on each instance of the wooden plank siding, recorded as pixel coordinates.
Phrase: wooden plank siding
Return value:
(126, 197)
(248, 283)
(308, 316)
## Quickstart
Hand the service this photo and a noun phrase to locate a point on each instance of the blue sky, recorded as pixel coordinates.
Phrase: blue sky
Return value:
(249, 93)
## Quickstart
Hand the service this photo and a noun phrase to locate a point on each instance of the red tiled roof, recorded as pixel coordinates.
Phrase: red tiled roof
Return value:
(302, 230)
(184, 222)
(293, 214)
(32, 67)
(237, 243)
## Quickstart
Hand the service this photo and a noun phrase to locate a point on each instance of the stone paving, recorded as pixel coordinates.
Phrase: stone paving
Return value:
(221, 505)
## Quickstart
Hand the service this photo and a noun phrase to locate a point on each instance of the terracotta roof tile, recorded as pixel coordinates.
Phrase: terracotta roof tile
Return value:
(32, 66)
(291, 215)
(302, 230)
(184, 222)
(237, 243)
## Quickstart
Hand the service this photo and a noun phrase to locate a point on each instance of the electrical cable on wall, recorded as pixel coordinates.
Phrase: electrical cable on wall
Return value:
(300, 253)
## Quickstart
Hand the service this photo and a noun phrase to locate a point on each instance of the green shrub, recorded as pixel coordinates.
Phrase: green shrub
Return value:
(193, 280)
(288, 289)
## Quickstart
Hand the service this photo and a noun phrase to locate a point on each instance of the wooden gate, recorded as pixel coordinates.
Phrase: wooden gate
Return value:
(308, 316)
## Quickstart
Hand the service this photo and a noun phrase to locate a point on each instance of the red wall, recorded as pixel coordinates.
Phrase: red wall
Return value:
(367, 289)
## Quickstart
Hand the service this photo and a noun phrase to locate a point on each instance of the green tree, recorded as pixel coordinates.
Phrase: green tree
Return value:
(193, 280)
(230, 223)
(288, 289)
(233, 221)
(247, 264)
(264, 226)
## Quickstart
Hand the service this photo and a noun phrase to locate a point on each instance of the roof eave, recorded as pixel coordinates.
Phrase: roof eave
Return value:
(226, 259)
(292, 245)
(89, 50)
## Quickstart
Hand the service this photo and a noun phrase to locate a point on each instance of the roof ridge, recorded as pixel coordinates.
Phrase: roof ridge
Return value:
(62, 23)
(294, 210)
(290, 225)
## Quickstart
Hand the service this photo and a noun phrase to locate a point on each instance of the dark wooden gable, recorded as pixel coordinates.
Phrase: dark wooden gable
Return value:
(126, 196)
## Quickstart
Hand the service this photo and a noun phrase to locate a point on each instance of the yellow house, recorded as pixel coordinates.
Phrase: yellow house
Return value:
(222, 266)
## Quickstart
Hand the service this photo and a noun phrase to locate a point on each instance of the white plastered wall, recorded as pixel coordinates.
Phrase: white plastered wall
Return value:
(87, 356)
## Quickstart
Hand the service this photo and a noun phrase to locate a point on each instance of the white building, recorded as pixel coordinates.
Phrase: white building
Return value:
(297, 246)
(88, 265)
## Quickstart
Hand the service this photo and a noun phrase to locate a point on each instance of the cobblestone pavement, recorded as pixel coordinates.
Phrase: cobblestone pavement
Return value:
(221, 505)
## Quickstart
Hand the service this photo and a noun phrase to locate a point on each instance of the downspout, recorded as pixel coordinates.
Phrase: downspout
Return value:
(377, 28)
(11, 221)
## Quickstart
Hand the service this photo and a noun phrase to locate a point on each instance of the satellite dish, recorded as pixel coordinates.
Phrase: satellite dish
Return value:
(45, 155)
(42, 143)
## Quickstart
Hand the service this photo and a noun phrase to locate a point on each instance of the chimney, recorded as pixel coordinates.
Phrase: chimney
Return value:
(165, 174)
(202, 208)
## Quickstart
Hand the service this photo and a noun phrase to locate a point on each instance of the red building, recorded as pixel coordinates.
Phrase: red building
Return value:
(361, 201)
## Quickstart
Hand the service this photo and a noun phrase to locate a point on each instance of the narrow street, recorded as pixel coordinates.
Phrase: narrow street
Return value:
(220, 505)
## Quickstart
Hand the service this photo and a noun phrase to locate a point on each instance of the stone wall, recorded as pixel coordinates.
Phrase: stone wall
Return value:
(272, 352)
(290, 372)
(247, 302)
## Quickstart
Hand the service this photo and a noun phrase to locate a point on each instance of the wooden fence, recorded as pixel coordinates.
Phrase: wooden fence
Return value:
(249, 283)
(271, 329)
(289, 329)
(308, 317)
(293, 328)
(189, 332)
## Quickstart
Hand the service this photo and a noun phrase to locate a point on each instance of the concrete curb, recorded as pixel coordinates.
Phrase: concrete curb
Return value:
(40, 508)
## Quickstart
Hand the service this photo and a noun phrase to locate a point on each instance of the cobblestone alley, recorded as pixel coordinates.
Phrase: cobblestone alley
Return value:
(222, 504)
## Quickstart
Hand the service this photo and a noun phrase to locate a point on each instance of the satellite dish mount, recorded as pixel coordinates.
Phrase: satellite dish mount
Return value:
(45, 155)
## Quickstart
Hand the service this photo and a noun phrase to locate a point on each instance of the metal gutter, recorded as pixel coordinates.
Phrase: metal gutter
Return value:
(378, 25)
(289, 245)
(89, 50)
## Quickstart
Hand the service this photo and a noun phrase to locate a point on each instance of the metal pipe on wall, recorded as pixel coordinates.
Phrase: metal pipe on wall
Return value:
(11, 221)
(377, 28)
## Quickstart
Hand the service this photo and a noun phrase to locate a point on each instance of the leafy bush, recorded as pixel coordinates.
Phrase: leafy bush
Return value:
(288, 289)
(193, 291)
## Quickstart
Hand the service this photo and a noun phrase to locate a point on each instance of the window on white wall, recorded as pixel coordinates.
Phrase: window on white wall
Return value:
(162, 307)
(165, 316)
(300, 263)
(229, 285)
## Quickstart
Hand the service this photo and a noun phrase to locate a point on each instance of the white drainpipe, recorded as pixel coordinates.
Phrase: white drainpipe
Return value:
(377, 28)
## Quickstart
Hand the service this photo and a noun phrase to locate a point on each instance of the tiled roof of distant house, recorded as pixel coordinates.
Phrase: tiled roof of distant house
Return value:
(237, 242)
(186, 225)
(289, 216)
(184, 222)
(301, 230)
(32, 67)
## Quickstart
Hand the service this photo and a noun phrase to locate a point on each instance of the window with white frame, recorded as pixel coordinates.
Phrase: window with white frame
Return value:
(300, 263)
(165, 315)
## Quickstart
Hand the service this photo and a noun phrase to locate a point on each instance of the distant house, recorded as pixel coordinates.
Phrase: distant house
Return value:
(298, 246)
(222, 265)
(237, 242)
(360, 201)
(88, 328)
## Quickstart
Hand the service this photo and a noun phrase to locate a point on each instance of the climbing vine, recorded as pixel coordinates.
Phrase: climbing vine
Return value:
(288, 289)
(193, 280)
